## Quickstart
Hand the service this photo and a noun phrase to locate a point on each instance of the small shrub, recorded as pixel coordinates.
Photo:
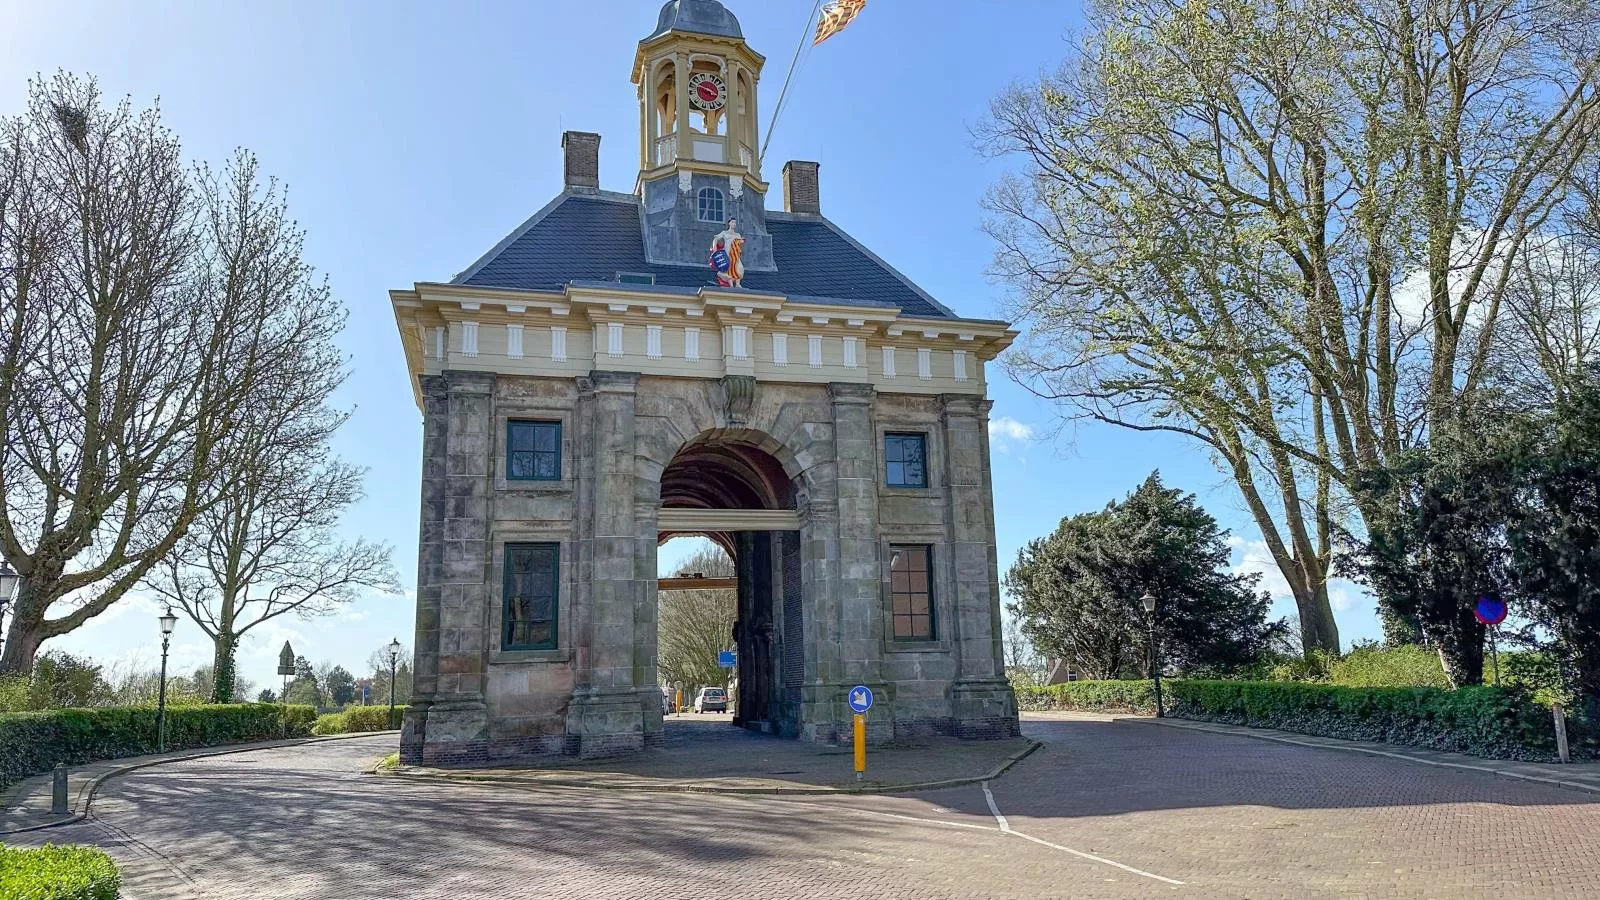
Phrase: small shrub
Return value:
(1406, 665)
(57, 873)
(358, 719)
(1096, 696)
(33, 742)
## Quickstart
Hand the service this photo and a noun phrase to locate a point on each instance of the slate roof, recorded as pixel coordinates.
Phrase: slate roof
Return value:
(698, 17)
(592, 237)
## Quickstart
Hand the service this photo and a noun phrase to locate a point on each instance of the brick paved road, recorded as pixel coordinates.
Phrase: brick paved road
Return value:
(1104, 807)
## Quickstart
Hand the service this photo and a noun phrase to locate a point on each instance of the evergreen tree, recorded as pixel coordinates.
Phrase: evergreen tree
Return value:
(304, 688)
(1078, 591)
(340, 686)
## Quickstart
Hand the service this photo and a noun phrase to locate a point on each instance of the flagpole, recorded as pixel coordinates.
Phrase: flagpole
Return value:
(784, 94)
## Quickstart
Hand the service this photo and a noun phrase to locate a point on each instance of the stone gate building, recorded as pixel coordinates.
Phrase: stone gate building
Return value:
(628, 367)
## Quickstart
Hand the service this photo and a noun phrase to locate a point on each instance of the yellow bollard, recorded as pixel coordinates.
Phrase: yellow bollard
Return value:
(861, 746)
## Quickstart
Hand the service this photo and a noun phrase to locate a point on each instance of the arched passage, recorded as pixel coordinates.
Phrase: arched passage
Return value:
(723, 479)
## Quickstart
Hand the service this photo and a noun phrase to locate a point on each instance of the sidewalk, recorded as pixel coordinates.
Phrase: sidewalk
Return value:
(715, 757)
(1579, 776)
(25, 805)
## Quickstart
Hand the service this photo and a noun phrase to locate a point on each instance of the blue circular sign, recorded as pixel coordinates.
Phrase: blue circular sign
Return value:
(860, 698)
(1491, 610)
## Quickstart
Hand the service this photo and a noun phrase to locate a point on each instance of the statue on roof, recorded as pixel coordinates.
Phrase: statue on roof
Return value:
(727, 256)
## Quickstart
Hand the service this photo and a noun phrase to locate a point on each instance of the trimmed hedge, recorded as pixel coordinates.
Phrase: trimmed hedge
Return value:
(1097, 696)
(1500, 723)
(57, 873)
(34, 742)
(358, 719)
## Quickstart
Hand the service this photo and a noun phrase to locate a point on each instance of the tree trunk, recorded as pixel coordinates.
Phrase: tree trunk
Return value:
(1318, 630)
(226, 645)
(1461, 650)
(25, 633)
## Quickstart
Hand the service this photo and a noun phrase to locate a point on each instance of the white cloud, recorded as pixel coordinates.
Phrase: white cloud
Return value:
(1007, 435)
(1006, 428)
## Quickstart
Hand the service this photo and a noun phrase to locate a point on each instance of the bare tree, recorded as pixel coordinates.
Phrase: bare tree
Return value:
(265, 543)
(696, 624)
(1286, 231)
(130, 353)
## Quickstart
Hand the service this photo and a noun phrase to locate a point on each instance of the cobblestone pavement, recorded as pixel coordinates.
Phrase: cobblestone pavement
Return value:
(1107, 809)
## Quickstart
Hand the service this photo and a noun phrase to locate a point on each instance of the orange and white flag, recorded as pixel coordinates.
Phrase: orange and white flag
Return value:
(836, 15)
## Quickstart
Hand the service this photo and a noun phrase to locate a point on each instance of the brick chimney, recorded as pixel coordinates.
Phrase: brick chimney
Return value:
(800, 191)
(582, 150)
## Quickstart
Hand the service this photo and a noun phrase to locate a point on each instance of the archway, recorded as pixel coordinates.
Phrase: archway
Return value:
(734, 492)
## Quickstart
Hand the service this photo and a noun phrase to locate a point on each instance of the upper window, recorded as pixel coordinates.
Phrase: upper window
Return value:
(532, 596)
(911, 587)
(533, 451)
(710, 205)
(636, 278)
(906, 459)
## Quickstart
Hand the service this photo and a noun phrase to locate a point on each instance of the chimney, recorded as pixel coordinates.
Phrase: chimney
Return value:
(800, 191)
(582, 160)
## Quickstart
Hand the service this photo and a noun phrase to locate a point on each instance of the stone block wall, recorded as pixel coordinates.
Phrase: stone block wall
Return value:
(596, 693)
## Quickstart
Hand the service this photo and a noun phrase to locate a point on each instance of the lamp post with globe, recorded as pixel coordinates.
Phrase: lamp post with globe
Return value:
(394, 666)
(1149, 602)
(168, 622)
(9, 580)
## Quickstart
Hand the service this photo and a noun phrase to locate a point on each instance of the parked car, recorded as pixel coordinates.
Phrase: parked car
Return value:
(711, 700)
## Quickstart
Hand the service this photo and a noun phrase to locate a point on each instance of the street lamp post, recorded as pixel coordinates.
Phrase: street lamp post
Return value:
(394, 666)
(1149, 601)
(9, 580)
(168, 622)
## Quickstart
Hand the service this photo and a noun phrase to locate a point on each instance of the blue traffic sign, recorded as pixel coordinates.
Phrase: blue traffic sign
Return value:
(860, 698)
(727, 659)
(1491, 610)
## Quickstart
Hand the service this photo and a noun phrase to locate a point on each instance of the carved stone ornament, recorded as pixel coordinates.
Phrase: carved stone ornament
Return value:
(685, 181)
(738, 397)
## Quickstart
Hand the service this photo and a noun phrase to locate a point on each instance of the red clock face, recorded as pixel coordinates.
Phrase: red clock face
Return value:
(707, 91)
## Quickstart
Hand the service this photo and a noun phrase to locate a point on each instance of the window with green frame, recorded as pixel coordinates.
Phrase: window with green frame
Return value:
(905, 458)
(911, 591)
(533, 451)
(532, 601)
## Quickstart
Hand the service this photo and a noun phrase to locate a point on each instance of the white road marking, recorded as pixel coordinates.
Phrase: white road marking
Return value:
(1006, 828)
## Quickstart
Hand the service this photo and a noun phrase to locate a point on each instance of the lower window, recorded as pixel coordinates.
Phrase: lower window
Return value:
(532, 596)
(911, 590)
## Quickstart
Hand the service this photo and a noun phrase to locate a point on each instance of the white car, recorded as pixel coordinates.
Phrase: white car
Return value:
(711, 700)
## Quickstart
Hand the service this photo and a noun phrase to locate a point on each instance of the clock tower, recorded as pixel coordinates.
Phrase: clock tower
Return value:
(699, 144)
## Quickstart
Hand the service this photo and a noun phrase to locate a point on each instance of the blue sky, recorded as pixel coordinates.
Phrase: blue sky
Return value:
(413, 136)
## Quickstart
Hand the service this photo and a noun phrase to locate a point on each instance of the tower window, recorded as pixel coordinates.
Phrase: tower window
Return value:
(711, 207)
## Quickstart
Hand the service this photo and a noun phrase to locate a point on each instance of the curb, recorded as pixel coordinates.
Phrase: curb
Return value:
(1370, 751)
(87, 791)
(703, 788)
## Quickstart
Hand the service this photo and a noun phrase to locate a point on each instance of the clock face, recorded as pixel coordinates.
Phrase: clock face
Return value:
(707, 90)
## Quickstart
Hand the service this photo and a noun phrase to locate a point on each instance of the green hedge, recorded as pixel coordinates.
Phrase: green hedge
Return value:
(1501, 723)
(57, 873)
(1098, 696)
(34, 742)
(357, 719)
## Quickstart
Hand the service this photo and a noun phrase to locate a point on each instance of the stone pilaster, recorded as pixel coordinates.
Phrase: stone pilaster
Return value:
(456, 717)
(606, 713)
(854, 587)
(430, 566)
(983, 704)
